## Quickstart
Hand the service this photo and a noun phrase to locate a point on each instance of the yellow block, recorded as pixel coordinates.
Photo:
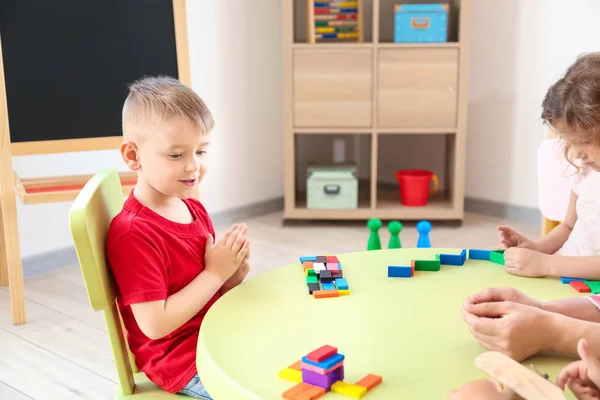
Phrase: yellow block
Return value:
(347, 35)
(348, 4)
(348, 389)
(325, 30)
(290, 374)
(343, 292)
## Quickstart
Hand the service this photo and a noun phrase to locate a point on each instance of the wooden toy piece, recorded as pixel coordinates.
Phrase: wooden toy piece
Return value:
(312, 279)
(348, 389)
(477, 254)
(394, 227)
(291, 394)
(307, 258)
(566, 280)
(321, 353)
(333, 267)
(297, 365)
(593, 285)
(398, 271)
(337, 275)
(453, 259)
(344, 292)
(319, 294)
(412, 266)
(328, 286)
(308, 265)
(310, 272)
(427, 265)
(580, 286)
(313, 287)
(523, 381)
(325, 276)
(497, 256)
(332, 259)
(290, 374)
(318, 267)
(341, 284)
(374, 224)
(312, 393)
(423, 227)
(369, 381)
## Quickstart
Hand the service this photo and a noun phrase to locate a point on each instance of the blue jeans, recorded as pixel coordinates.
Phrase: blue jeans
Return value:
(195, 388)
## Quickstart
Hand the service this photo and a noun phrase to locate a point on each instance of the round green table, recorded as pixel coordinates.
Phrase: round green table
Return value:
(407, 330)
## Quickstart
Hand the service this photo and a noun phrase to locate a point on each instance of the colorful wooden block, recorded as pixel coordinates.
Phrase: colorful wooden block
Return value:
(320, 370)
(328, 286)
(319, 267)
(325, 276)
(297, 365)
(320, 294)
(369, 381)
(333, 267)
(567, 280)
(307, 265)
(497, 256)
(478, 254)
(323, 380)
(332, 259)
(337, 275)
(289, 374)
(453, 259)
(312, 279)
(313, 287)
(348, 389)
(341, 284)
(291, 394)
(325, 363)
(412, 266)
(580, 286)
(308, 258)
(312, 393)
(398, 271)
(311, 272)
(344, 292)
(322, 259)
(427, 265)
(593, 285)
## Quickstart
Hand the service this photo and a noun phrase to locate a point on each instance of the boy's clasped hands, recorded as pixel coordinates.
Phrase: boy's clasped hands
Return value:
(229, 257)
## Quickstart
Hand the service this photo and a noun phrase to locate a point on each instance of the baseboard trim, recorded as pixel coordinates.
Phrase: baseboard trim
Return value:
(522, 214)
(45, 262)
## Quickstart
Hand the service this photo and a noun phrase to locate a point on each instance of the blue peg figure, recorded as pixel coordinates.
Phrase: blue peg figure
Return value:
(423, 227)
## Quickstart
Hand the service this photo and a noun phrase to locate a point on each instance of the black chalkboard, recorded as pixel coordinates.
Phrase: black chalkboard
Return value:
(67, 63)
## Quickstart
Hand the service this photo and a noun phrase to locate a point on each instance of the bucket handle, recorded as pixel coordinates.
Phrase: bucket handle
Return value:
(332, 189)
(420, 22)
(436, 184)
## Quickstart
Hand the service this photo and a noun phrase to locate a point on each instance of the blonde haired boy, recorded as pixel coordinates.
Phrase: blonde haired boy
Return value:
(161, 249)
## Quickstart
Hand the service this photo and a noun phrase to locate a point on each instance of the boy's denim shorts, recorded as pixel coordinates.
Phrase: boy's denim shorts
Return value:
(195, 388)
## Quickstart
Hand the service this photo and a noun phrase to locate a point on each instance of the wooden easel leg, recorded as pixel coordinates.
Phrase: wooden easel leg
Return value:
(3, 259)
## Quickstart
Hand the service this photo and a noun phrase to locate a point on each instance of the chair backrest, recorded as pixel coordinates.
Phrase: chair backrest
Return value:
(89, 218)
(555, 176)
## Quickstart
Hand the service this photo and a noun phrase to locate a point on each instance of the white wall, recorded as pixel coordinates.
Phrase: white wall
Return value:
(518, 49)
(235, 59)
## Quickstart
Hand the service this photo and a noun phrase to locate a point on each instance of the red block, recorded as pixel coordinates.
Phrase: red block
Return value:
(580, 286)
(332, 259)
(322, 353)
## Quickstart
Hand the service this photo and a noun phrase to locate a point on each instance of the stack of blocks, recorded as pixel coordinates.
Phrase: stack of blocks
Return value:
(582, 285)
(324, 276)
(405, 271)
(320, 371)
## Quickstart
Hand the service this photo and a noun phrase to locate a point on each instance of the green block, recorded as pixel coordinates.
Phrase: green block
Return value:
(497, 256)
(437, 257)
(312, 279)
(594, 286)
(427, 265)
(311, 272)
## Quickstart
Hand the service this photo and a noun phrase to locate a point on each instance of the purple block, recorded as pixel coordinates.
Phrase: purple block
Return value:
(324, 381)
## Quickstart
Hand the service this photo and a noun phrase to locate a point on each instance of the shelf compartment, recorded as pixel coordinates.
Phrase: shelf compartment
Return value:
(417, 88)
(330, 149)
(386, 19)
(332, 88)
(61, 188)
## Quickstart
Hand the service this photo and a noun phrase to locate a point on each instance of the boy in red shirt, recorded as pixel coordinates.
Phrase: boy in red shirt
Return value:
(160, 247)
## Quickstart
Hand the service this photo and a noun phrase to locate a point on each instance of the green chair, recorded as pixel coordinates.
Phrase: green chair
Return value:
(89, 218)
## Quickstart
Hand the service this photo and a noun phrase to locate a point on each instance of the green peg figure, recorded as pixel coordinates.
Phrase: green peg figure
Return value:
(374, 224)
(395, 227)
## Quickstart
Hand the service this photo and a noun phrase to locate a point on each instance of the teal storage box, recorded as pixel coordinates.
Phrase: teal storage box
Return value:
(419, 23)
(332, 186)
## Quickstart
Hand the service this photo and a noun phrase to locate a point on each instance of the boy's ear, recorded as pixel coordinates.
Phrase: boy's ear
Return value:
(129, 152)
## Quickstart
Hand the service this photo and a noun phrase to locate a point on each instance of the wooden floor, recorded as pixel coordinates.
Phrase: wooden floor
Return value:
(63, 351)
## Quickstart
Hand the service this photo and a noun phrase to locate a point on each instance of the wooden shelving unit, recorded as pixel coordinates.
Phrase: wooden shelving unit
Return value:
(375, 88)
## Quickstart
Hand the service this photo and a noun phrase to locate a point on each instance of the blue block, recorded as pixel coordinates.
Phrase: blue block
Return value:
(567, 280)
(326, 363)
(308, 258)
(398, 271)
(476, 254)
(453, 259)
(327, 286)
(341, 284)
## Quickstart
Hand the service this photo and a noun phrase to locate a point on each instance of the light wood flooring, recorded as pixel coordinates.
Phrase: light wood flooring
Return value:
(63, 352)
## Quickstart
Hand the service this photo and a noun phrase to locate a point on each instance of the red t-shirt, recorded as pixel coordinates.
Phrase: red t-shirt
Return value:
(152, 258)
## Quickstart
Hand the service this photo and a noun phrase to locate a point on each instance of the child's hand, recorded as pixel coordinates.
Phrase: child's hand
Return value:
(225, 257)
(237, 278)
(583, 377)
(526, 262)
(510, 237)
(483, 389)
(492, 295)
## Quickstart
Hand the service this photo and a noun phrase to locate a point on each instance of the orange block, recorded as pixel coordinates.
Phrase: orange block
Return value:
(312, 393)
(291, 394)
(319, 294)
(297, 365)
(369, 381)
(307, 264)
(412, 266)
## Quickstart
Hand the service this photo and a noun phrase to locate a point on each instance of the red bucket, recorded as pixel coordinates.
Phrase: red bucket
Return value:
(415, 186)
